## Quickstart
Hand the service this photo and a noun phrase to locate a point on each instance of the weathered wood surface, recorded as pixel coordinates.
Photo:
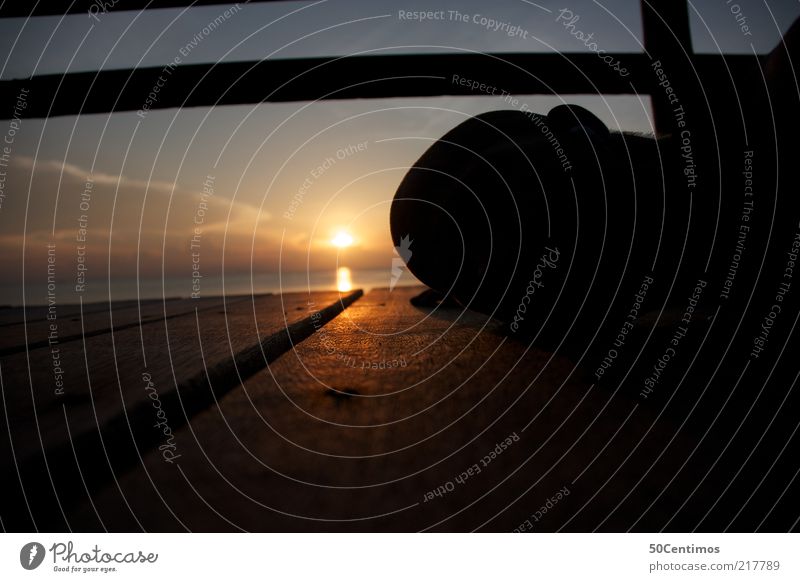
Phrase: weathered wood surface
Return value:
(112, 382)
(326, 439)
(73, 323)
(12, 315)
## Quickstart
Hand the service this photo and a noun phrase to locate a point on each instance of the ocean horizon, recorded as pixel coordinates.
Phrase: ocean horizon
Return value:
(118, 289)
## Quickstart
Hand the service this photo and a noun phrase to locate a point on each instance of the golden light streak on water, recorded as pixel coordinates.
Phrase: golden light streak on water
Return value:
(344, 280)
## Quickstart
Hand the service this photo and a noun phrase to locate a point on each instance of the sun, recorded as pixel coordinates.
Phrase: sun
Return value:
(342, 240)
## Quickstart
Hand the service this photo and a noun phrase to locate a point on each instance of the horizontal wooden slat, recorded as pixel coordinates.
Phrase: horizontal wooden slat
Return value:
(72, 324)
(15, 315)
(358, 77)
(11, 9)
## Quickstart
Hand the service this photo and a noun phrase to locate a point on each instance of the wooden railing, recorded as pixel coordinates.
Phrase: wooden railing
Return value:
(667, 39)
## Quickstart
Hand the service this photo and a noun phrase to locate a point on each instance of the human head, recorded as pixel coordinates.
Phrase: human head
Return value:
(486, 200)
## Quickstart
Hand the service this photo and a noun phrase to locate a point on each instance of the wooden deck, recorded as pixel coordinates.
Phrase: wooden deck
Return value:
(320, 412)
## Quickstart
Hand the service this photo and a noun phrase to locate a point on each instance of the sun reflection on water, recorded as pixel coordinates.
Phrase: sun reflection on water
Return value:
(344, 280)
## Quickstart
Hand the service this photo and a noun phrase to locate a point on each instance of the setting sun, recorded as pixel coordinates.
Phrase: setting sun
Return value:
(342, 240)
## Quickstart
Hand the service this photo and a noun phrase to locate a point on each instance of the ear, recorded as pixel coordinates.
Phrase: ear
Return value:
(576, 121)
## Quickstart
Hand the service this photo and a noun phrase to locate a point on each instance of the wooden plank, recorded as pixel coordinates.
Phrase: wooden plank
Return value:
(15, 315)
(112, 383)
(330, 438)
(97, 7)
(304, 79)
(352, 77)
(75, 324)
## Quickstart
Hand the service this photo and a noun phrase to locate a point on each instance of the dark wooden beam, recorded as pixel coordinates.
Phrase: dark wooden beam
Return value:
(668, 39)
(363, 77)
(22, 9)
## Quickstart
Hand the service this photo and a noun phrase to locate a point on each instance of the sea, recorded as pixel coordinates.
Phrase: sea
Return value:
(118, 289)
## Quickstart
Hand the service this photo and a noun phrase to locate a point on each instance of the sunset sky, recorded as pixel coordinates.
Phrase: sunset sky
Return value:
(148, 175)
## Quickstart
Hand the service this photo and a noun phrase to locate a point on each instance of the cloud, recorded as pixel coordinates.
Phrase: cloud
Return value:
(115, 219)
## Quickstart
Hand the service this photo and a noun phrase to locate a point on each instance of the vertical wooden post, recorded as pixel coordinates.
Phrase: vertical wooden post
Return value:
(667, 38)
